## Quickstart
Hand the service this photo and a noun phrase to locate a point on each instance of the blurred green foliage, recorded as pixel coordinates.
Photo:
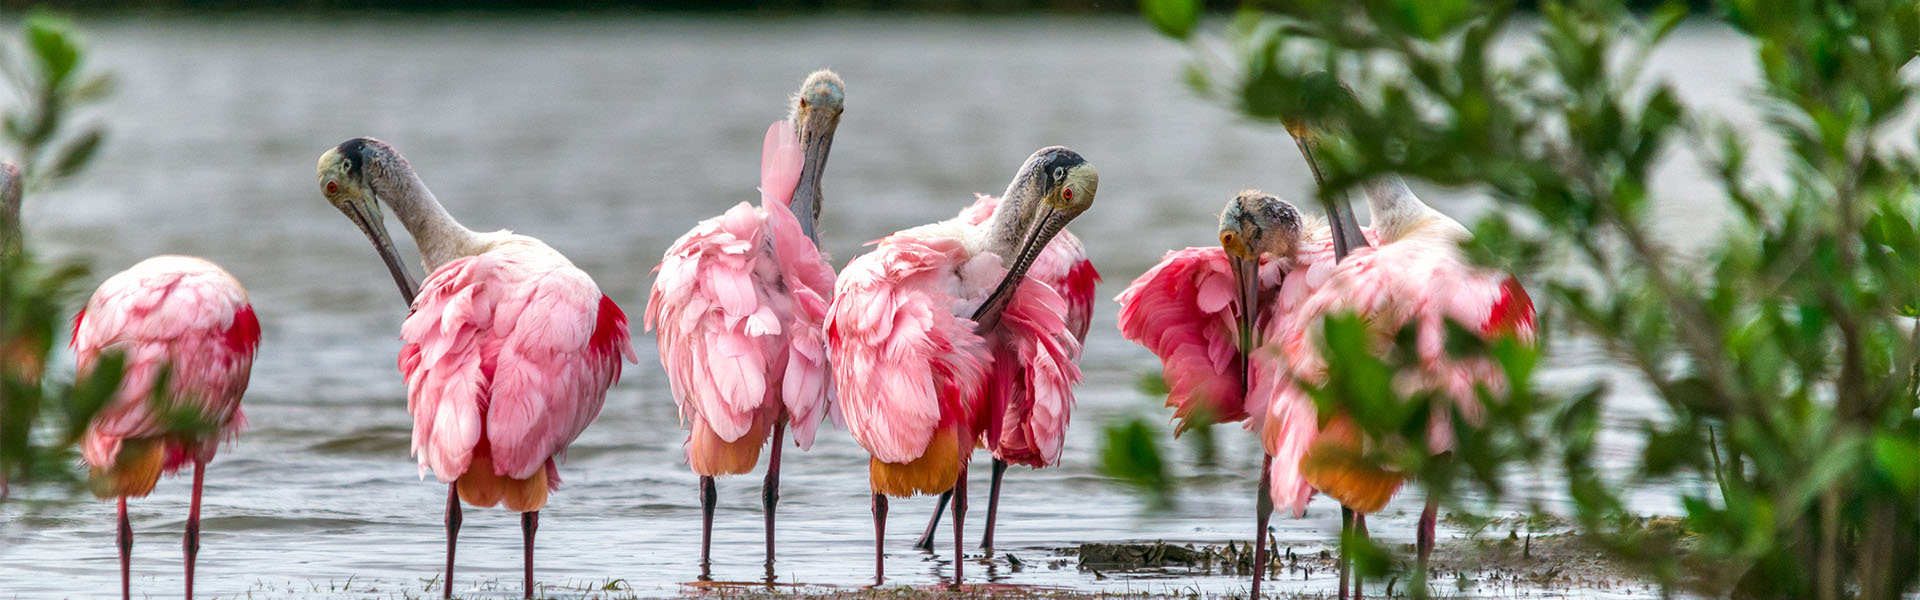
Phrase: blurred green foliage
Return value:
(1782, 354)
(40, 420)
(46, 70)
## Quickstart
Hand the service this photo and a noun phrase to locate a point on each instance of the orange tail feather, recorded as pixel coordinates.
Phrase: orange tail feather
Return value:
(480, 487)
(933, 473)
(134, 471)
(709, 455)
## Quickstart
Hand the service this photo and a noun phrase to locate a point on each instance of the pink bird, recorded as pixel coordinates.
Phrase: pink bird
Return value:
(508, 352)
(1028, 413)
(739, 303)
(919, 329)
(1416, 276)
(1200, 307)
(184, 322)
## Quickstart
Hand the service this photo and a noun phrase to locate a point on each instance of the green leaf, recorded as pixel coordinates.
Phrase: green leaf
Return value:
(53, 44)
(1174, 18)
(75, 155)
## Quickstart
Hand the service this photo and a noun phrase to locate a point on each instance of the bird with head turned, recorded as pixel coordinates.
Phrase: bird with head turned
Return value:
(1204, 311)
(816, 114)
(508, 348)
(924, 361)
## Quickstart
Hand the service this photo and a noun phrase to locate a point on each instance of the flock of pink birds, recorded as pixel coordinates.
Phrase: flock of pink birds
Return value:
(958, 334)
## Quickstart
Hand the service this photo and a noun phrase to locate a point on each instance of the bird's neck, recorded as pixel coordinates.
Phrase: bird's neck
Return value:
(1396, 213)
(441, 238)
(1008, 226)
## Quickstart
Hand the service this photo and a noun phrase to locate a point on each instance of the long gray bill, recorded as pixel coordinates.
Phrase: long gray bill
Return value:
(1044, 228)
(1340, 219)
(377, 233)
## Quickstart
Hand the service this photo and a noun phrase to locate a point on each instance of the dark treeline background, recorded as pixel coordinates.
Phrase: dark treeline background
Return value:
(630, 6)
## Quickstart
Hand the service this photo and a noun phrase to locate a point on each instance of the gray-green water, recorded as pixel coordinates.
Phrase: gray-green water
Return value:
(608, 139)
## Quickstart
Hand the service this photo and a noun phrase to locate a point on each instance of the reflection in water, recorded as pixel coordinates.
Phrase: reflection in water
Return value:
(608, 139)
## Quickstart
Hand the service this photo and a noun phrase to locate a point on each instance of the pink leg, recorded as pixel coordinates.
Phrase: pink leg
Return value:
(709, 496)
(1263, 510)
(125, 541)
(192, 542)
(529, 523)
(1423, 541)
(1346, 527)
(933, 525)
(453, 534)
(959, 524)
(770, 492)
(993, 505)
(879, 538)
(1360, 531)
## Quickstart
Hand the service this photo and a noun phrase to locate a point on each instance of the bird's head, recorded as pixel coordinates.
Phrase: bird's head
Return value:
(816, 114)
(1053, 187)
(1256, 223)
(351, 177)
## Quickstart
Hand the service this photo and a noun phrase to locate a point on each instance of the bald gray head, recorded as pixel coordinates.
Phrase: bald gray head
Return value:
(1256, 223)
(816, 114)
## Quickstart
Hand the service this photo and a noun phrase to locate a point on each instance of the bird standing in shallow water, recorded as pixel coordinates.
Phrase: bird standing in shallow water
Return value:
(184, 322)
(508, 352)
(739, 302)
(916, 324)
(1205, 312)
(1414, 275)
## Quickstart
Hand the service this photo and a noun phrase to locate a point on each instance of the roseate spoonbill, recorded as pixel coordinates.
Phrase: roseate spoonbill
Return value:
(739, 302)
(181, 322)
(917, 326)
(1023, 425)
(1415, 275)
(508, 352)
(1202, 310)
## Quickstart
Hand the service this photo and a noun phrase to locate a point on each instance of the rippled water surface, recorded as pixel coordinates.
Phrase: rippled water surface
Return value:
(609, 138)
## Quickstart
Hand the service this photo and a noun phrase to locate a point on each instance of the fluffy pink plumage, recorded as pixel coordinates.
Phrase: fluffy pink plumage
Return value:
(514, 344)
(1420, 280)
(739, 303)
(907, 361)
(181, 315)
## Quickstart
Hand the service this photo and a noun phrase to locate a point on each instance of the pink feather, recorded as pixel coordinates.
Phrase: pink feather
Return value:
(175, 314)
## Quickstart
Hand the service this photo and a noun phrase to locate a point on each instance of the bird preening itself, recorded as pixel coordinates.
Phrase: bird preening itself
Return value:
(917, 325)
(738, 304)
(186, 335)
(507, 353)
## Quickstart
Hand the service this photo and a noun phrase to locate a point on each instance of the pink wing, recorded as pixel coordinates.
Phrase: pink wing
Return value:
(1423, 282)
(903, 363)
(515, 344)
(1186, 311)
(781, 159)
(177, 314)
(1030, 384)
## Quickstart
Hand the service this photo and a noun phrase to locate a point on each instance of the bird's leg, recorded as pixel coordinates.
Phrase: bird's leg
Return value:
(529, 523)
(709, 496)
(993, 505)
(879, 538)
(959, 523)
(770, 492)
(1359, 532)
(124, 539)
(925, 543)
(1346, 527)
(1423, 541)
(453, 534)
(1263, 510)
(191, 545)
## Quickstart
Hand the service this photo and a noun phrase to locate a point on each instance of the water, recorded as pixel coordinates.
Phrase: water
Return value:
(609, 138)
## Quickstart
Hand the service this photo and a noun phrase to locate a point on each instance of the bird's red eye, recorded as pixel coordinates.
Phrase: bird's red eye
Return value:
(1067, 193)
(333, 187)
